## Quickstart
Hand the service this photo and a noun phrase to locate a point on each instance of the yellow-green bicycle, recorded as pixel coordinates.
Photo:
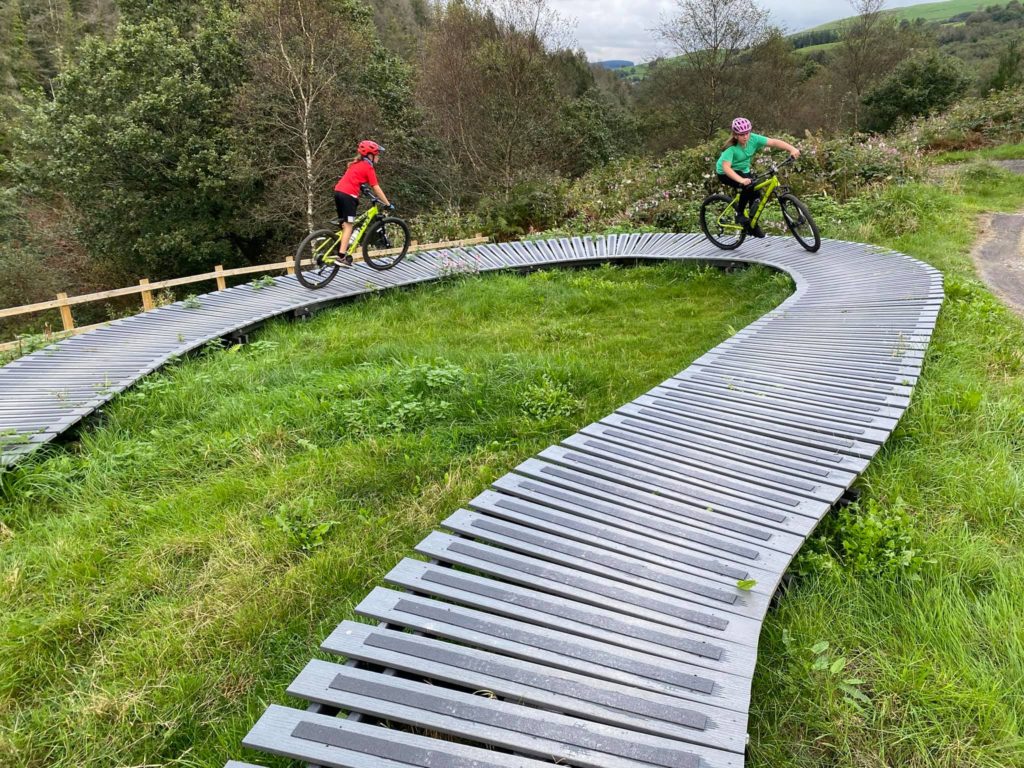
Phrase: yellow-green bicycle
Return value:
(718, 214)
(385, 241)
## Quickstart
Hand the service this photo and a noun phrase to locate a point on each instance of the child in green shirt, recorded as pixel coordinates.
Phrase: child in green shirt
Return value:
(733, 167)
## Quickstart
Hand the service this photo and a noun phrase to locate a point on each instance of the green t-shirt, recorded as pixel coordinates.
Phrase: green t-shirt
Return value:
(740, 156)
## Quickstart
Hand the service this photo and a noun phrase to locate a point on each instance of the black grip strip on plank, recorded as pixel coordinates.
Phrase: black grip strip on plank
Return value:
(480, 712)
(607, 560)
(599, 531)
(569, 578)
(564, 609)
(545, 642)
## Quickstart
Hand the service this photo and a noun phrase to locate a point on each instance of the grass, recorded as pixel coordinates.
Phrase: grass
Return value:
(920, 599)
(1002, 152)
(168, 576)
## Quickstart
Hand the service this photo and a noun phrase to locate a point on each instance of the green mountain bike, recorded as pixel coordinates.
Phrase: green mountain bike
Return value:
(385, 241)
(718, 214)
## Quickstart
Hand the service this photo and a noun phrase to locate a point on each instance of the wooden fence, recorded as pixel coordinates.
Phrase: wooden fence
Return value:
(64, 303)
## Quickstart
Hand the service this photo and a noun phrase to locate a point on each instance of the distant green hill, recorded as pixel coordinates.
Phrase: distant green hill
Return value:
(928, 11)
(614, 64)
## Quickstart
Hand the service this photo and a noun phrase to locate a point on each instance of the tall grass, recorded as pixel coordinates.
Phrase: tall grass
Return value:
(166, 577)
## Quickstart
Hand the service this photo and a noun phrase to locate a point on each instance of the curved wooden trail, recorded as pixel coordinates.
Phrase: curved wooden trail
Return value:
(593, 592)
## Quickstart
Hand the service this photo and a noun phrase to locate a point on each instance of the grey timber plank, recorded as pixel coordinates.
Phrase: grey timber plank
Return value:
(694, 537)
(701, 587)
(558, 649)
(655, 502)
(537, 733)
(544, 609)
(337, 743)
(706, 624)
(542, 686)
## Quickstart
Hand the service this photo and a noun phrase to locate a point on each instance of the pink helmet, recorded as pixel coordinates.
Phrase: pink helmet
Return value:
(741, 125)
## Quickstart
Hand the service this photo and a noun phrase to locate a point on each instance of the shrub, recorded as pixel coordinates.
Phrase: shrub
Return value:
(971, 123)
(529, 206)
(924, 83)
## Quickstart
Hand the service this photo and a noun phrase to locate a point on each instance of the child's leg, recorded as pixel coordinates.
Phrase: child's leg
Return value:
(743, 190)
(747, 195)
(346, 235)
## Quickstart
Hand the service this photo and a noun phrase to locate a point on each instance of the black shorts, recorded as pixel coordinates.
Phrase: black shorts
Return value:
(735, 184)
(346, 205)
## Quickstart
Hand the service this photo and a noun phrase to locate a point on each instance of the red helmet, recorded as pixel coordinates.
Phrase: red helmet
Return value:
(741, 125)
(369, 148)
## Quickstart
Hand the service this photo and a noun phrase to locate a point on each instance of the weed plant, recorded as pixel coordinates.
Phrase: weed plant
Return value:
(165, 578)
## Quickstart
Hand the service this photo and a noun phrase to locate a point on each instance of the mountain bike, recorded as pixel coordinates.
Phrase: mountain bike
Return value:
(718, 213)
(385, 241)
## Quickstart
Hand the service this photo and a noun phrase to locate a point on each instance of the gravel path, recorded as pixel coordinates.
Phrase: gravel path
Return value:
(999, 253)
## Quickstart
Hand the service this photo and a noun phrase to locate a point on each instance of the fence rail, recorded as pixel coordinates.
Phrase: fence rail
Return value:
(64, 303)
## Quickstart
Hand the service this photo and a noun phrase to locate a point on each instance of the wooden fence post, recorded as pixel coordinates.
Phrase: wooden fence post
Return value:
(221, 282)
(147, 296)
(65, 312)
(290, 269)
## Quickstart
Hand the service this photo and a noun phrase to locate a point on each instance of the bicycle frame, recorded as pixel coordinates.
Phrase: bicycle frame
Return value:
(766, 188)
(326, 250)
(360, 227)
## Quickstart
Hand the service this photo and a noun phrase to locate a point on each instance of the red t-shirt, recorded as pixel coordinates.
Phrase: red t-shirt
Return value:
(356, 175)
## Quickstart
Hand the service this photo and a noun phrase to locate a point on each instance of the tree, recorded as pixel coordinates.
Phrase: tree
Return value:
(870, 46)
(301, 57)
(1009, 71)
(139, 142)
(493, 89)
(926, 82)
(319, 81)
(712, 36)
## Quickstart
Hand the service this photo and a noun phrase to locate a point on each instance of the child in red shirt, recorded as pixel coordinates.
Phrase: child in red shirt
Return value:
(346, 192)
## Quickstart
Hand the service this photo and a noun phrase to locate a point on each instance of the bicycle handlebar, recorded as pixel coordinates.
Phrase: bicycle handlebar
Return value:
(774, 170)
(365, 189)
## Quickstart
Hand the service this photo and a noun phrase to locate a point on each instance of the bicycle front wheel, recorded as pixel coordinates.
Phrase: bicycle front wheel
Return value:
(800, 222)
(387, 243)
(718, 222)
(310, 268)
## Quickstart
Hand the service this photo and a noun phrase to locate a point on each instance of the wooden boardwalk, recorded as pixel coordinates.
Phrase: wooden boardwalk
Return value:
(585, 610)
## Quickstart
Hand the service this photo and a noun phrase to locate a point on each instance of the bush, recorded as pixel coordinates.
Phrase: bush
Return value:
(971, 124)
(529, 206)
(926, 82)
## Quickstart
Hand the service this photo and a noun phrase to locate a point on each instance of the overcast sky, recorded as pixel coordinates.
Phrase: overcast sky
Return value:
(621, 29)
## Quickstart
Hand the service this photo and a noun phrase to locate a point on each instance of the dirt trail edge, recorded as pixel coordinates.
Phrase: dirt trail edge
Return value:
(999, 253)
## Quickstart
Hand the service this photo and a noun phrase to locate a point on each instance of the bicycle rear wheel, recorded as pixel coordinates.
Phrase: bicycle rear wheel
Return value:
(800, 222)
(718, 222)
(310, 268)
(387, 243)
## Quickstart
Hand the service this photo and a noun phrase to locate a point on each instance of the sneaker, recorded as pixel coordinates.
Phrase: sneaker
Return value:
(742, 220)
(756, 231)
(346, 260)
